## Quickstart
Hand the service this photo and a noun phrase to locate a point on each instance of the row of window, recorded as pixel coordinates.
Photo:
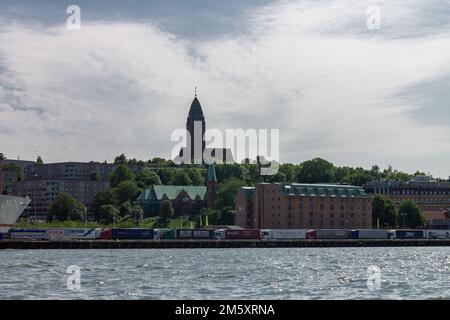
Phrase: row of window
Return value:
(413, 192)
(425, 201)
(322, 207)
(322, 215)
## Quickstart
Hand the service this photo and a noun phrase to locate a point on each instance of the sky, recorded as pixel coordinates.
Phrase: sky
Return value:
(334, 87)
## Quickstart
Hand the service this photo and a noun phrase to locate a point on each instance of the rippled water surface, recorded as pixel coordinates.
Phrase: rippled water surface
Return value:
(303, 273)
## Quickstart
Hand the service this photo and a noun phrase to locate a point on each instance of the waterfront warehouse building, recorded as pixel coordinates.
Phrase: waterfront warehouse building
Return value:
(303, 206)
(431, 196)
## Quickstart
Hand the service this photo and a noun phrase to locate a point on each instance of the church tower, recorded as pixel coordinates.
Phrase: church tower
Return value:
(196, 127)
(211, 186)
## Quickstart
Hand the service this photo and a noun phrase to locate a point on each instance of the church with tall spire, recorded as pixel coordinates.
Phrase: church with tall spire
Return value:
(195, 152)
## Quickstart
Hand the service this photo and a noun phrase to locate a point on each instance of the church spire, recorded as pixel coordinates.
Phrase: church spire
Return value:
(211, 176)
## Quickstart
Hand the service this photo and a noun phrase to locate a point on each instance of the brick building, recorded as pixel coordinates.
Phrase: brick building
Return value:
(303, 206)
(432, 196)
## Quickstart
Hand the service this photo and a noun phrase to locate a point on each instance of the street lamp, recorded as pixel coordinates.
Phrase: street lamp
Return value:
(85, 217)
(404, 214)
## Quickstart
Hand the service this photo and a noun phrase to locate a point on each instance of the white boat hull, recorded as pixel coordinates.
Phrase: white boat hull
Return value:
(10, 210)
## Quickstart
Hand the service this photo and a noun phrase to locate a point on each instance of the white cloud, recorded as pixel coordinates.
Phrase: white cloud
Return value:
(310, 69)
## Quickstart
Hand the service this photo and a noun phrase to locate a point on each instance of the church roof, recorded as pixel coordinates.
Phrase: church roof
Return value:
(196, 111)
(158, 192)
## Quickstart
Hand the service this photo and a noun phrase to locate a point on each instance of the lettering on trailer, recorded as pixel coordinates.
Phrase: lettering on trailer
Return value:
(201, 234)
(194, 234)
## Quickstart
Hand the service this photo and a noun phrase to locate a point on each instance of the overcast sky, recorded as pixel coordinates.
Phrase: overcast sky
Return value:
(125, 80)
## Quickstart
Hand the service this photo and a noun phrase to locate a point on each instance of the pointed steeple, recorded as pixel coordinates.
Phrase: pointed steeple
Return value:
(196, 112)
(211, 177)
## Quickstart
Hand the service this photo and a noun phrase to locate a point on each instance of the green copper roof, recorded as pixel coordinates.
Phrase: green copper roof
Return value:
(172, 192)
(319, 190)
(211, 173)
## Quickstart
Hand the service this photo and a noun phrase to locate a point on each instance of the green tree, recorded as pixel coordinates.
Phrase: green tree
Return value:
(181, 178)
(384, 210)
(104, 197)
(138, 214)
(410, 215)
(316, 171)
(278, 177)
(107, 213)
(122, 159)
(227, 193)
(126, 191)
(147, 178)
(167, 176)
(125, 209)
(66, 207)
(197, 176)
(166, 211)
(289, 170)
(160, 162)
(121, 174)
(39, 160)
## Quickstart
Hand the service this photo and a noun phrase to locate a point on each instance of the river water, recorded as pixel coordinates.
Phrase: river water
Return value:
(275, 273)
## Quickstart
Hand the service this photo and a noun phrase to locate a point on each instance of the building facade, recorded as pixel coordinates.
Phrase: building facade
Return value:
(43, 192)
(43, 182)
(186, 200)
(71, 171)
(303, 206)
(431, 196)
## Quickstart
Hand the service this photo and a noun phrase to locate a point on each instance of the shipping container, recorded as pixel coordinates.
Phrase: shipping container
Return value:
(242, 233)
(194, 234)
(409, 234)
(438, 234)
(283, 234)
(369, 234)
(83, 233)
(329, 234)
(38, 234)
(132, 234)
(168, 234)
(56, 234)
(106, 234)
